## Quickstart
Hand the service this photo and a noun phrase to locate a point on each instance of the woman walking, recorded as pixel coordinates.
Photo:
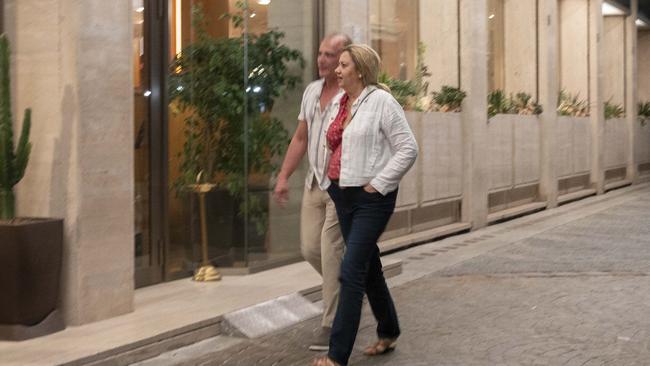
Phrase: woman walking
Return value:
(372, 147)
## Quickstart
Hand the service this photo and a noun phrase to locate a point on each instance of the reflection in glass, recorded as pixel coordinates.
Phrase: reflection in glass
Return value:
(234, 240)
(496, 45)
(394, 35)
(141, 118)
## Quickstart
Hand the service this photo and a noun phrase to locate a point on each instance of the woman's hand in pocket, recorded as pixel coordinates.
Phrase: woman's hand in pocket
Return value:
(370, 189)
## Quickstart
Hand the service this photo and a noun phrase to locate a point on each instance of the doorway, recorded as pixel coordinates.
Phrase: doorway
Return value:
(148, 121)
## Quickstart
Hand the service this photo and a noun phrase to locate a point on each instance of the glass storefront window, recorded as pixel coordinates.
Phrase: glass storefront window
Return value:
(496, 45)
(208, 92)
(141, 120)
(512, 46)
(394, 35)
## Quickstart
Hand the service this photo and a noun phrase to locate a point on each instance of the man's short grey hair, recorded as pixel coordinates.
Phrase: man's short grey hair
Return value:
(345, 39)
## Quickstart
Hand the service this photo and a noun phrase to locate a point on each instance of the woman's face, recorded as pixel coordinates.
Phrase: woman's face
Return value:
(347, 74)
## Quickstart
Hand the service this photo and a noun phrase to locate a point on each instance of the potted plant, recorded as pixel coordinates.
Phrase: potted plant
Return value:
(613, 110)
(571, 105)
(644, 112)
(448, 99)
(499, 103)
(232, 141)
(524, 104)
(30, 249)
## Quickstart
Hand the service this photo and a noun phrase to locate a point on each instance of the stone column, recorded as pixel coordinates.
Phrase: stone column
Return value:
(597, 117)
(473, 80)
(549, 87)
(631, 91)
(72, 65)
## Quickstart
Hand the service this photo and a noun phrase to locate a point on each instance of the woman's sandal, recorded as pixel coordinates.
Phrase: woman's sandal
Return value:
(324, 361)
(382, 346)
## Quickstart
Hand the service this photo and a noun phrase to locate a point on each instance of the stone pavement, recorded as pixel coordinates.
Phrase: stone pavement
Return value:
(568, 286)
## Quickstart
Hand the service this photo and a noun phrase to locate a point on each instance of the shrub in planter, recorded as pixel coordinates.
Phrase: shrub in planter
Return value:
(448, 99)
(571, 105)
(644, 112)
(524, 104)
(613, 110)
(499, 103)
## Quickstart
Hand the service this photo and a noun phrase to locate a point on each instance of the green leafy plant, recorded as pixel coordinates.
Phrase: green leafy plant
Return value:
(571, 105)
(404, 91)
(523, 103)
(206, 82)
(613, 110)
(448, 99)
(12, 163)
(499, 103)
(644, 112)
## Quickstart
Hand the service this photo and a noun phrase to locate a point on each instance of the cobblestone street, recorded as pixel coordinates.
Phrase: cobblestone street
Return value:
(573, 292)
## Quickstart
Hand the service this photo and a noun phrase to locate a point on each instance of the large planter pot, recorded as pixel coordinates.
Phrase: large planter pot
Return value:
(513, 150)
(442, 157)
(573, 147)
(642, 153)
(615, 143)
(408, 196)
(30, 271)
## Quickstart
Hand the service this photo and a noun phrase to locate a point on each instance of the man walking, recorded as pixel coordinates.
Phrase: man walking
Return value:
(321, 240)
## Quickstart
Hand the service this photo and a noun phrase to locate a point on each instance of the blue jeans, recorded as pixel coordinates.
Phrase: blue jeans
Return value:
(363, 217)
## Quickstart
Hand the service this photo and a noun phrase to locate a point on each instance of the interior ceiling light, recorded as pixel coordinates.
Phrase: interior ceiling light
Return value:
(610, 9)
(140, 9)
(491, 16)
(641, 24)
(264, 2)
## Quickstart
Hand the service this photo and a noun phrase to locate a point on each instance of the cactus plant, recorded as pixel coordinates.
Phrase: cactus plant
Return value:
(12, 164)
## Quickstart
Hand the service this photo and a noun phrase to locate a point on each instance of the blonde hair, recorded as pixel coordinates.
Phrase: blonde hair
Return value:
(367, 62)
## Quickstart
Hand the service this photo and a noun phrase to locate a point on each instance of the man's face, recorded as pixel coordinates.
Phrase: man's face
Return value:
(328, 57)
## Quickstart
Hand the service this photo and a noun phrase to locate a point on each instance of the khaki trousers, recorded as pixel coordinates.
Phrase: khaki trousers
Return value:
(322, 244)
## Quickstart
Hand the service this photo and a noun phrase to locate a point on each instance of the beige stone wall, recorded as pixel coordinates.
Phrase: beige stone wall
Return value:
(520, 63)
(574, 46)
(644, 65)
(614, 59)
(439, 33)
(73, 67)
